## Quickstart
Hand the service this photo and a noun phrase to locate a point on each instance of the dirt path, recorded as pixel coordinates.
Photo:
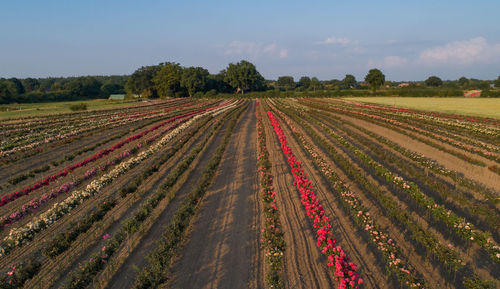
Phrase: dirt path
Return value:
(137, 259)
(223, 250)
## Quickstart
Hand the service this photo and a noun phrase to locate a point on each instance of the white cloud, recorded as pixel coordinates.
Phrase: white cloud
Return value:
(462, 52)
(336, 40)
(283, 53)
(394, 61)
(388, 62)
(254, 49)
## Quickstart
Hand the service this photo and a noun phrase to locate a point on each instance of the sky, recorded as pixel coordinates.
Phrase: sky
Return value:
(407, 40)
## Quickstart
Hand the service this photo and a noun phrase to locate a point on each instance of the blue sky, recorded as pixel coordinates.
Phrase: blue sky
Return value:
(407, 40)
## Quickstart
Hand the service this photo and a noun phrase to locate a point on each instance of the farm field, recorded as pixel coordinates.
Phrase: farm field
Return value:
(485, 107)
(40, 109)
(239, 193)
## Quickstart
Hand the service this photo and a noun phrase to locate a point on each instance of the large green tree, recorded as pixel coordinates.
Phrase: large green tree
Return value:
(168, 80)
(141, 81)
(285, 82)
(433, 81)
(244, 76)
(31, 84)
(315, 83)
(349, 81)
(497, 82)
(463, 82)
(18, 85)
(7, 91)
(375, 78)
(194, 79)
(305, 82)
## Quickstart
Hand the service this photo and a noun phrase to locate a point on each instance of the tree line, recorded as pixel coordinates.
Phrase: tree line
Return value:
(170, 79)
(14, 90)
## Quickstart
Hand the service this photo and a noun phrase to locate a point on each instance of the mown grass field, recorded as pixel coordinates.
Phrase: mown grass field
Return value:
(38, 109)
(487, 107)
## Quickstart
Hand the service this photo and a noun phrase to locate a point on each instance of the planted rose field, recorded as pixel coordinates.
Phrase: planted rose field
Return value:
(250, 193)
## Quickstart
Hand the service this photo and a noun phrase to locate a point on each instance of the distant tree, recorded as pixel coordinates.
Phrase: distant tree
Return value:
(285, 82)
(244, 76)
(349, 81)
(315, 83)
(375, 78)
(111, 88)
(433, 81)
(497, 82)
(141, 81)
(168, 80)
(216, 82)
(8, 91)
(84, 87)
(194, 79)
(463, 82)
(305, 82)
(18, 85)
(31, 84)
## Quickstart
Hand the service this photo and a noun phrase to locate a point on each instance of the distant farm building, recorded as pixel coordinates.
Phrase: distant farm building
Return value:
(404, 84)
(117, 97)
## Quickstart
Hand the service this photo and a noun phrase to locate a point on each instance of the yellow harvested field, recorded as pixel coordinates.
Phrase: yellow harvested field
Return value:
(487, 107)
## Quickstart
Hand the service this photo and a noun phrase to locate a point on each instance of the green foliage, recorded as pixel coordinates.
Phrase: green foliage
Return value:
(31, 84)
(304, 82)
(375, 78)
(167, 81)
(20, 274)
(194, 79)
(244, 76)
(7, 91)
(315, 84)
(141, 81)
(497, 82)
(463, 82)
(78, 107)
(285, 82)
(349, 81)
(433, 81)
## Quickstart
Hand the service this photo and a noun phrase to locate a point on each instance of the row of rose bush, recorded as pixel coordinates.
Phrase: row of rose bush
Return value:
(429, 142)
(19, 236)
(272, 239)
(64, 239)
(464, 203)
(483, 149)
(401, 126)
(420, 159)
(47, 180)
(40, 202)
(424, 239)
(382, 241)
(459, 225)
(472, 119)
(57, 125)
(344, 270)
(173, 237)
(33, 140)
(25, 124)
(99, 259)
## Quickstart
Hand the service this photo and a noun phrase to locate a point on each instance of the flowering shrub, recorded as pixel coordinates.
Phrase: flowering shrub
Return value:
(272, 236)
(19, 236)
(15, 195)
(345, 271)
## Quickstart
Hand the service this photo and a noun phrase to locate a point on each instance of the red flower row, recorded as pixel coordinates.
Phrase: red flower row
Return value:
(345, 271)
